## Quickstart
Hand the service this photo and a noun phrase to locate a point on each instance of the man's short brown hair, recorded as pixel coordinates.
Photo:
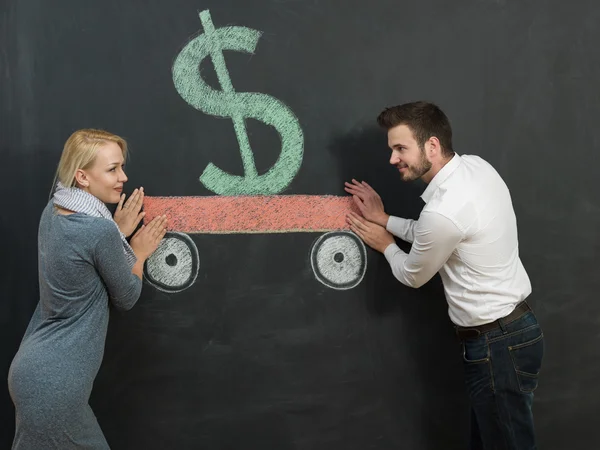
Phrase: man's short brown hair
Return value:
(424, 119)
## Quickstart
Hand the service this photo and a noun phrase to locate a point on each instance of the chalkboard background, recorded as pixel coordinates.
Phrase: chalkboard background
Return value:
(257, 353)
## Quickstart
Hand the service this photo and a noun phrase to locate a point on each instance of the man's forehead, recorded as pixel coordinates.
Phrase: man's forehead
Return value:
(400, 134)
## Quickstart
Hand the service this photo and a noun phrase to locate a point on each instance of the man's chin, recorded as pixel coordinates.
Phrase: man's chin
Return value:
(409, 176)
(412, 175)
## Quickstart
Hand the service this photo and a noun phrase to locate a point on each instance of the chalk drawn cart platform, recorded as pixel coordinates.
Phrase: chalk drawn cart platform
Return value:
(338, 258)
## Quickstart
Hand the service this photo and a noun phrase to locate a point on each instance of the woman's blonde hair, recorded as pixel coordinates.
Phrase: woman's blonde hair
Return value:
(80, 152)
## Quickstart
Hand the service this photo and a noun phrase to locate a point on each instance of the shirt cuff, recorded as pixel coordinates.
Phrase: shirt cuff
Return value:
(397, 226)
(391, 251)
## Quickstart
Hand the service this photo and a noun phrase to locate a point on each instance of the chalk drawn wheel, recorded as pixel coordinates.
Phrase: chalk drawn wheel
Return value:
(339, 259)
(173, 267)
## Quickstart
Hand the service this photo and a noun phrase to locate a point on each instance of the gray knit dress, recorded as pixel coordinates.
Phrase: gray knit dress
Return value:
(82, 267)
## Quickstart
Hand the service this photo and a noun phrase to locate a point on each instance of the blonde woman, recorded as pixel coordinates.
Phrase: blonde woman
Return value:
(85, 263)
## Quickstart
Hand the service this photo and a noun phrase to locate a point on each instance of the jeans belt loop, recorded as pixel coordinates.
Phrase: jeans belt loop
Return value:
(502, 325)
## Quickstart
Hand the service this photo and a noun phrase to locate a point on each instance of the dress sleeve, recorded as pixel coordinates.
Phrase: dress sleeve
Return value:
(123, 286)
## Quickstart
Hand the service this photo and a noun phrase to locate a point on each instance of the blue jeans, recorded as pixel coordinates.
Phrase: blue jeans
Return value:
(501, 373)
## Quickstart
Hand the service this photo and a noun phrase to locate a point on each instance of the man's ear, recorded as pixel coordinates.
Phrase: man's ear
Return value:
(434, 147)
(82, 179)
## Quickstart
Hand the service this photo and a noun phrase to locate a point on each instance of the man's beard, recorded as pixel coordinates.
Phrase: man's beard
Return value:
(417, 171)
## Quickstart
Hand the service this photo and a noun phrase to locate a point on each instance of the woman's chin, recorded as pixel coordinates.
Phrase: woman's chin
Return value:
(110, 199)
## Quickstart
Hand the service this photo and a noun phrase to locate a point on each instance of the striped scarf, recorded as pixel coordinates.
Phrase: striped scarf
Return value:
(78, 200)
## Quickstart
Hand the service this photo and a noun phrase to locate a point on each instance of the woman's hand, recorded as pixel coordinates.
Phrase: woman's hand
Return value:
(146, 240)
(128, 216)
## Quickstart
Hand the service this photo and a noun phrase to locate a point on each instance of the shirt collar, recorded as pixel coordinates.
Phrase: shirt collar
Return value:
(441, 176)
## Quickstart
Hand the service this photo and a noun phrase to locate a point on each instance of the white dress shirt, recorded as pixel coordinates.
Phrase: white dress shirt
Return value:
(467, 231)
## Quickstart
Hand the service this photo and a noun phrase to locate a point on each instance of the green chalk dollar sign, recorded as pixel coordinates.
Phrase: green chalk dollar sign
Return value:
(239, 106)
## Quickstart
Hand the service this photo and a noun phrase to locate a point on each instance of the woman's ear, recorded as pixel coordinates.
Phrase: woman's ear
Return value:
(82, 179)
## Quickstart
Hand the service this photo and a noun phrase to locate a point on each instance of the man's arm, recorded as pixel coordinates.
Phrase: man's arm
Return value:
(435, 238)
(402, 228)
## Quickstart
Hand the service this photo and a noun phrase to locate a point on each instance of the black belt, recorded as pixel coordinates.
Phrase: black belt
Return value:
(474, 332)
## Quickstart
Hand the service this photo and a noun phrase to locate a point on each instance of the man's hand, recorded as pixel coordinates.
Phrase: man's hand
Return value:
(128, 216)
(374, 235)
(368, 202)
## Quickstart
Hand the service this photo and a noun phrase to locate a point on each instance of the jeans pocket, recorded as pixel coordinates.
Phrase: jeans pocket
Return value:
(476, 351)
(527, 360)
(478, 374)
